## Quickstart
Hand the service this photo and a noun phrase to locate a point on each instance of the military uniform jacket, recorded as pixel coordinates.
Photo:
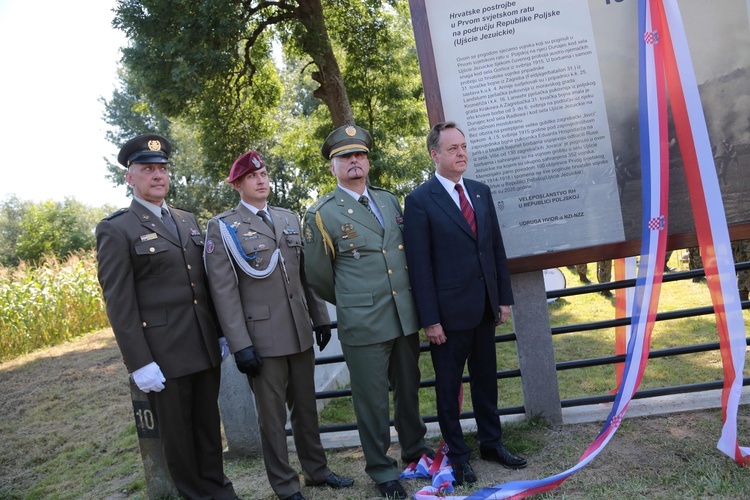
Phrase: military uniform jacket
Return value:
(276, 313)
(353, 262)
(155, 292)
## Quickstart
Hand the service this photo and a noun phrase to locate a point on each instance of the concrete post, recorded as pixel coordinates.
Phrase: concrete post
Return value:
(238, 412)
(158, 481)
(536, 356)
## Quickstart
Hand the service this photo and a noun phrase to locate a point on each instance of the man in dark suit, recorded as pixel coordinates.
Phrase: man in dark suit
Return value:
(461, 284)
(267, 311)
(150, 260)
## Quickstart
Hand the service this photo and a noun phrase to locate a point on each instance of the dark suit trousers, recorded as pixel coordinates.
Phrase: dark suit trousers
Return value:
(477, 346)
(289, 381)
(187, 414)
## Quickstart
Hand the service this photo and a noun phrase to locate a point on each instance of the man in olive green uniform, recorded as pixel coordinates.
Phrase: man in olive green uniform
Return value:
(354, 258)
(254, 261)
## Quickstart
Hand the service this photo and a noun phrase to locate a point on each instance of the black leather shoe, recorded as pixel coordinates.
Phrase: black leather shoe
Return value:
(502, 456)
(393, 490)
(463, 473)
(333, 481)
(296, 496)
(429, 452)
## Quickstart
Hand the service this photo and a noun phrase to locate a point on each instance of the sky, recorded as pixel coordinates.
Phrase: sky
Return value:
(57, 58)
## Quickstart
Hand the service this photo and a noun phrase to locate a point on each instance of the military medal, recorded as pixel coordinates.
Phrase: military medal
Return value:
(147, 237)
(194, 232)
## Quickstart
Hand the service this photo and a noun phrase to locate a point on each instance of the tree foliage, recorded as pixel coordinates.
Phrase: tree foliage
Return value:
(203, 74)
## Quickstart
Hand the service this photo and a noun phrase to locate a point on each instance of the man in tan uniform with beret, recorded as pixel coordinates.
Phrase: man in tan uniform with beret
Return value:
(254, 260)
(354, 258)
(150, 259)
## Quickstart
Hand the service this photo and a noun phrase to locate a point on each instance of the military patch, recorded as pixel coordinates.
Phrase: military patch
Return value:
(210, 246)
(309, 235)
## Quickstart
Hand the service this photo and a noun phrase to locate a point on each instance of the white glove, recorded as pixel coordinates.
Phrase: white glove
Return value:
(224, 347)
(149, 378)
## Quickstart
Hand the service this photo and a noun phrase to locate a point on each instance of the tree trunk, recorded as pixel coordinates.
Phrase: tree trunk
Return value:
(317, 44)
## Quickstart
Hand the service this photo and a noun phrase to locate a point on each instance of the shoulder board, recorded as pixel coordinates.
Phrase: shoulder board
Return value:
(375, 188)
(228, 212)
(282, 209)
(322, 201)
(115, 214)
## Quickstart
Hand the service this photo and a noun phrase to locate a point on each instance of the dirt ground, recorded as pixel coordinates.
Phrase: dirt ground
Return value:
(67, 432)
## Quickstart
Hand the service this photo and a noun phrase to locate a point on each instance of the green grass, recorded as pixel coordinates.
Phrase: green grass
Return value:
(600, 380)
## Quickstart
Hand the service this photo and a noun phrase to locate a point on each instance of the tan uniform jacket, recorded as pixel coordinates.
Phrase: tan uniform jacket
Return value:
(274, 313)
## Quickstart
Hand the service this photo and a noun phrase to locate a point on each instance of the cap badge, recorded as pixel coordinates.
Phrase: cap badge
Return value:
(256, 162)
(154, 145)
(351, 131)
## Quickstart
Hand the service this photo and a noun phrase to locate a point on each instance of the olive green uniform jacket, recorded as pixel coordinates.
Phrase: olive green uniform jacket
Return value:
(354, 263)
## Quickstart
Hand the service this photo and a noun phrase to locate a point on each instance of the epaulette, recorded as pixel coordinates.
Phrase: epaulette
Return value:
(115, 214)
(224, 214)
(321, 201)
(375, 188)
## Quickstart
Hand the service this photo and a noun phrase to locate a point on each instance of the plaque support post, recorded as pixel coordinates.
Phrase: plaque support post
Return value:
(536, 357)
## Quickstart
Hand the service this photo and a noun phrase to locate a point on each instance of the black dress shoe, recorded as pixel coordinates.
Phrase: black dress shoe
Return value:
(296, 496)
(333, 481)
(463, 473)
(502, 456)
(392, 489)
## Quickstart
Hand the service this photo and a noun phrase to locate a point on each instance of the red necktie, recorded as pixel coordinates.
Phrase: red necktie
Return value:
(466, 209)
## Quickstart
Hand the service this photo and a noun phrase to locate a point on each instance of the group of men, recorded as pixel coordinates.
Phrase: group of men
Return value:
(256, 287)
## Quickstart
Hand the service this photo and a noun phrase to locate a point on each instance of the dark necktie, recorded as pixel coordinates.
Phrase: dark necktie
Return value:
(365, 201)
(466, 209)
(169, 222)
(263, 215)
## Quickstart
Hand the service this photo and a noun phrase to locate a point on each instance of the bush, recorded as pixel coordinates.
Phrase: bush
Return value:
(49, 304)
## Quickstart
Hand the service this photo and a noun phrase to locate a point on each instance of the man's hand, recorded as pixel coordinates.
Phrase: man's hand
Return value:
(435, 334)
(224, 348)
(322, 336)
(503, 315)
(149, 378)
(248, 361)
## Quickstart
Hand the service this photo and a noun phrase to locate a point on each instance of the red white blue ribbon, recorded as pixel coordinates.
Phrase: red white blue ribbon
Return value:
(664, 61)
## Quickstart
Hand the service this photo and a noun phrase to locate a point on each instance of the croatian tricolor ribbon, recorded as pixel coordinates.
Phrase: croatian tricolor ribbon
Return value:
(665, 62)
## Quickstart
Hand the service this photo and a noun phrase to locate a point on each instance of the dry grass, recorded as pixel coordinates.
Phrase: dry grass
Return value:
(67, 433)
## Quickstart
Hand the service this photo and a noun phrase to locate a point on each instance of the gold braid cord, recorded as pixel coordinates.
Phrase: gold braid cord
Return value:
(327, 241)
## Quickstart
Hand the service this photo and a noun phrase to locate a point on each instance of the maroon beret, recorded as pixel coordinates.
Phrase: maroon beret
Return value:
(248, 162)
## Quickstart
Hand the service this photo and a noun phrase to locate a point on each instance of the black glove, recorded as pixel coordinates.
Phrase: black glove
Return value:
(248, 361)
(322, 336)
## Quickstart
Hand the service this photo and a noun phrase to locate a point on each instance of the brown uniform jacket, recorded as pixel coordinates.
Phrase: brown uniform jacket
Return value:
(275, 314)
(155, 292)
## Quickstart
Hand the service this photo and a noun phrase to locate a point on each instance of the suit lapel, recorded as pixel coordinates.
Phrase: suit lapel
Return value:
(445, 202)
(152, 222)
(351, 209)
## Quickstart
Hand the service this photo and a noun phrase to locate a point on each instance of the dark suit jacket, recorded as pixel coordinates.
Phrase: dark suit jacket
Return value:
(452, 272)
(155, 292)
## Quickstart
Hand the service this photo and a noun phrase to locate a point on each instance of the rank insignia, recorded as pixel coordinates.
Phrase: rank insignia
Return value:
(236, 224)
(308, 234)
(146, 217)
